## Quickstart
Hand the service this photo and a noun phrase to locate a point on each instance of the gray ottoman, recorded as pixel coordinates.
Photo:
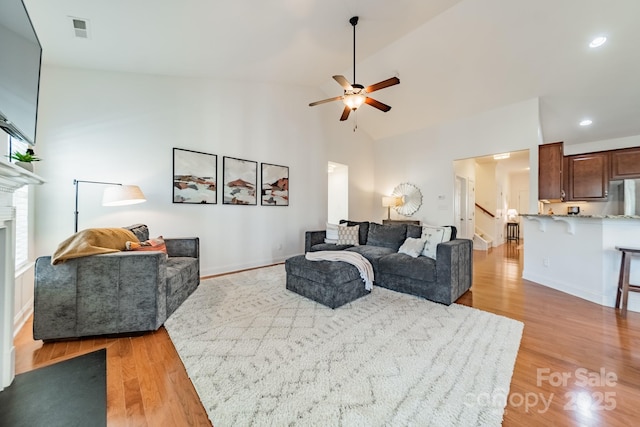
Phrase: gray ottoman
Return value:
(331, 283)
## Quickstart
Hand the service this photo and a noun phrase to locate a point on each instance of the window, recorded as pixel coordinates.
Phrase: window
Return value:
(21, 203)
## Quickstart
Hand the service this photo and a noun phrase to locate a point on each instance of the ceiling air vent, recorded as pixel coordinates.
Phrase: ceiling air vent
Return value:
(80, 27)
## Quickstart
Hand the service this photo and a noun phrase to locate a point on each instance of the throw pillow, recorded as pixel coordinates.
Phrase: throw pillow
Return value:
(414, 231)
(432, 236)
(387, 236)
(348, 235)
(157, 244)
(412, 247)
(331, 233)
(448, 231)
(140, 230)
(364, 229)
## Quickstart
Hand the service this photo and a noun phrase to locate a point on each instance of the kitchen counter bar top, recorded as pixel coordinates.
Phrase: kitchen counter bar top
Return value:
(577, 254)
(583, 216)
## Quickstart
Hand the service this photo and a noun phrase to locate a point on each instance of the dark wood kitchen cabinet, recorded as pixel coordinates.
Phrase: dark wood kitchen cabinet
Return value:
(625, 163)
(587, 177)
(550, 172)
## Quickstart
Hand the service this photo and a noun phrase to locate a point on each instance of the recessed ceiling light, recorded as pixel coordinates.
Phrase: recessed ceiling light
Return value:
(598, 41)
(501, 156)
(586, 122)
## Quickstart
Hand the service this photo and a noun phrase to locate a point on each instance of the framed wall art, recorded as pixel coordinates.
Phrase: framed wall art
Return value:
(240, 179)
(194, 177)
(275, 185)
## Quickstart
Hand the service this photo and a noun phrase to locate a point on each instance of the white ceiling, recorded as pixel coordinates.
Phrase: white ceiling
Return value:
(517, 162)
(454, 58)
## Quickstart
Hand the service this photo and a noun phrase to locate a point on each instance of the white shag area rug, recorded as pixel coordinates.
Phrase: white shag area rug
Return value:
(260, 355)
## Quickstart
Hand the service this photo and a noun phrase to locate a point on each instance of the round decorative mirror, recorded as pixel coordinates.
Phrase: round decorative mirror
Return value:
(411, 198)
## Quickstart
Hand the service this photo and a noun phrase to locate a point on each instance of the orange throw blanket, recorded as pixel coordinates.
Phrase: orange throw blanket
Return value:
(93, 241)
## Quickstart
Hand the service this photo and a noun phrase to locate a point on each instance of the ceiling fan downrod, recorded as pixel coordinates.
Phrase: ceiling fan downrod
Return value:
(354, 22)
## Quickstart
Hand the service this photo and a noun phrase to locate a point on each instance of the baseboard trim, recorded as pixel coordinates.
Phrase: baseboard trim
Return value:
(21, 317)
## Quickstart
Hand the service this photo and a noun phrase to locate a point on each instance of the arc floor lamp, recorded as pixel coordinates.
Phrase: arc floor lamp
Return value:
(116, 194)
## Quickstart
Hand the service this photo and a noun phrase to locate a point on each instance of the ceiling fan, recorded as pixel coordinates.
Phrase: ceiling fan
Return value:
(355, 94)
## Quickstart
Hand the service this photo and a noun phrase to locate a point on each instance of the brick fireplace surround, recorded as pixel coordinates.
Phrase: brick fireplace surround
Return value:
(11, 178)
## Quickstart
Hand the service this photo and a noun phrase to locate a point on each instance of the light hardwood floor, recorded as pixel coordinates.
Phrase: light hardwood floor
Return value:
(578, 364)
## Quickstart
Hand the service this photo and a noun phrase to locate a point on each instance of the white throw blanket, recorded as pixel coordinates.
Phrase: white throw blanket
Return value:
(361, 263)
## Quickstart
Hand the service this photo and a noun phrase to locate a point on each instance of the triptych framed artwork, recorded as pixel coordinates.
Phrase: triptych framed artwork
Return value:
(275, 185)
(195, 180)
(194, 177)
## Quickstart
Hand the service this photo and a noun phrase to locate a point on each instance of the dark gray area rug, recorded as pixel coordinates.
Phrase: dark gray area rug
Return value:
(68, 393)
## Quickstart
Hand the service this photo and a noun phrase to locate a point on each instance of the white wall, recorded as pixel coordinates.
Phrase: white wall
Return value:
(121, 127)
(338, 192)
(23, 297)
(425, 157)
(486, 197)
(502, 191)
(519, 186)
(486, 186)
(465, 168)
(602, 145)
(354, 149)
(465, 218)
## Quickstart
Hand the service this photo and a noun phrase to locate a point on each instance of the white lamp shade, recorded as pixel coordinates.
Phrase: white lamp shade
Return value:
(391, 201)
(512, 214)
(120, 195)
(388, 201)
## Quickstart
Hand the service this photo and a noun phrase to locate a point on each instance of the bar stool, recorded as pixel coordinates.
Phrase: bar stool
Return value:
(513, 231)
(623, 282)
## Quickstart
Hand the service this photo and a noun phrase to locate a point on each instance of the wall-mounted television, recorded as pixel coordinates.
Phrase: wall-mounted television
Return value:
(20, 60)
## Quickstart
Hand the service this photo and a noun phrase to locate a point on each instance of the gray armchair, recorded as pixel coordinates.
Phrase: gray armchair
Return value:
(122, 292)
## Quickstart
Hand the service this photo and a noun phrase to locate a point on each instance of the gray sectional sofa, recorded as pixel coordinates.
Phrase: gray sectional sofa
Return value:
(442, 280)
(116, 293)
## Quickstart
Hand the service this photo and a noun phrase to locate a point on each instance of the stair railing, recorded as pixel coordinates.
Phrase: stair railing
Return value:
(485, 211)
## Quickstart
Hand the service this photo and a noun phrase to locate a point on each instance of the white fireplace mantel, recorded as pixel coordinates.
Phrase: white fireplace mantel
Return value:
(12, 177)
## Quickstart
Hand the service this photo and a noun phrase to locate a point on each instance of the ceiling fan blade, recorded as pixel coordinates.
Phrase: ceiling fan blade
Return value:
(345, 114)
(381, 85)
(342, 81)
(337, 98)
(377, 104)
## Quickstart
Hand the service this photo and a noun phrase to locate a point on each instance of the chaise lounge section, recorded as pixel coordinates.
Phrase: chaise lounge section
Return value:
(331, 283)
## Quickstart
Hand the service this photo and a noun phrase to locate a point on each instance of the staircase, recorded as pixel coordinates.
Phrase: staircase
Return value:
(481, 242)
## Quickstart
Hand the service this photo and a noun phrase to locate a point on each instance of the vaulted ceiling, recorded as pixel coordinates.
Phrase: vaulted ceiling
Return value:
(455, 58)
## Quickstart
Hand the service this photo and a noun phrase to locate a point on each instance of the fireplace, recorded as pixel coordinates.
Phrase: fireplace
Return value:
(7, 290)
(11, 179)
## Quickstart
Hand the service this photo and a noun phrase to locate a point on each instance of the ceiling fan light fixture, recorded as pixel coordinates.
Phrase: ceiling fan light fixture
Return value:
(355, 94)
(354, 100)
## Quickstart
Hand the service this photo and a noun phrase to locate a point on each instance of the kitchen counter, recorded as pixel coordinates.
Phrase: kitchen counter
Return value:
(572, 220)
(584, 216)
(577, 254)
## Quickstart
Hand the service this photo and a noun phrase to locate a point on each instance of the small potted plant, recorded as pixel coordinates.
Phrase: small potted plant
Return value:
(24, 160)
